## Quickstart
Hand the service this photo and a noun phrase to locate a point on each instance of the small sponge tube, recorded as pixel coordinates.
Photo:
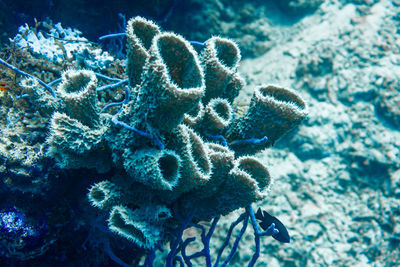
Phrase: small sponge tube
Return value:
(78, 94)
(220, 59)
(159, 169)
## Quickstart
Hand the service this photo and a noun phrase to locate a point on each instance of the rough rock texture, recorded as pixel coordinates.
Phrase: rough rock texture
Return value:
(337, 178)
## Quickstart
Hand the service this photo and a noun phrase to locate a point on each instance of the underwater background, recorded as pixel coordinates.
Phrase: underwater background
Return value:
(333, 179)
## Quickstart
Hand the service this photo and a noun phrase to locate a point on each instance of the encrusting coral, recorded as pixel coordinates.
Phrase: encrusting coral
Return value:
(175, 148)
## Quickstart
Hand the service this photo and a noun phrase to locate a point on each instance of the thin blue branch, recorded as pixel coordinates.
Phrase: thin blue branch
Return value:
(113, 85)
(113, 35)
(218, 138)
(105, 77)
(205, 239)
(15, 69)
(253, 141)
(228, 237)
(139, 132)
(236, 243)
(178, 239)
(112, 105)
(257, 233)
(54, 82)
(21, 96)
(201, 44)
(185, 257)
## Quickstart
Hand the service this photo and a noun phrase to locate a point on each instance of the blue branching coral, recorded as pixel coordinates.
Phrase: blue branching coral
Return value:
(175, 150)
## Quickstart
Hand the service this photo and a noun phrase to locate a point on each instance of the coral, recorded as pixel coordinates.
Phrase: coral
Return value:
(175, 148)
(184, 101)
(21, 237)
(59, 44)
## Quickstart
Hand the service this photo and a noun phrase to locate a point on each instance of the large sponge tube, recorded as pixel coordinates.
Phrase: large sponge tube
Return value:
(273, 111)
(172, 83)
(139, 34)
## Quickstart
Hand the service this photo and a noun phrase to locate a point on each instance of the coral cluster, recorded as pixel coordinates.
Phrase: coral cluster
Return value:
(175, 148)
(21, 238)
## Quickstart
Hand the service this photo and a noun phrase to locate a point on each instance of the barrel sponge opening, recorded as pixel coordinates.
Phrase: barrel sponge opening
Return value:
(222, 160)
(76, 82)
(256, 170)
(198, 153)
(142, 30)
(196, 164)
(281, 99)
(169, 166)
(194, 115)
(97, 196)
(219, 113)
(273, 111)
(226, 51)
(221, 156)
(103, 194)
(123, 222)
(180, 59)
(79, 96)
(220, 60)
(158, 169)
(246, 182)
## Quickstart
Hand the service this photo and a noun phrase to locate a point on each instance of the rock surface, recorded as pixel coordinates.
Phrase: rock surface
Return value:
(336, 180)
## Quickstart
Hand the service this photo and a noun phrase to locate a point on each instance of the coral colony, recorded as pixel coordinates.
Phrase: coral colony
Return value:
(178, 151)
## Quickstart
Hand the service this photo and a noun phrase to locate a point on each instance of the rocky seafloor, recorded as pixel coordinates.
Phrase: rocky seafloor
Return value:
(337, 177)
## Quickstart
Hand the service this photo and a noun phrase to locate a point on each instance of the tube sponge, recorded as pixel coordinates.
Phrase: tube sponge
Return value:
(74, 145)
(273, 111)
(222, 160)
(41, 100)
(68, 134)
(124, 222)
(172, 82)
(104, 195)
(218, 115)
(78, 96)
(246, 183)
(139, 33)
(221, 58)
(196, 164)
(159, 169)
(194, 115)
